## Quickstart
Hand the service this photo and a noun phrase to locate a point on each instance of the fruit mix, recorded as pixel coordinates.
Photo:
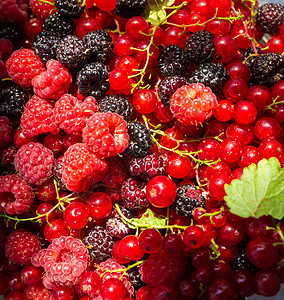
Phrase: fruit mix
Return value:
(141, 148)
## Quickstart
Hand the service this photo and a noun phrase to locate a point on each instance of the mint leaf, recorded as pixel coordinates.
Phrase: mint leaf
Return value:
(148, 219)
(259, 192)
(156, 10)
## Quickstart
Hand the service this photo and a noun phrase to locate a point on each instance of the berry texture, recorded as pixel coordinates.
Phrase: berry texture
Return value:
(106, 134)
(193, 104)
(20, 246)
(130, 8)
(34, 163)
(23, 66)
(69, 8)
(23, 195)
(59, 23)
(40, 9)
(82, 168)
(64, 261)
(117, 228)
(13, 11)
(6, 132)
(9, 32)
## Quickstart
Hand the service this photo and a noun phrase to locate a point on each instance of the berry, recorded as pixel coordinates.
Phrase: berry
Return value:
(70, 8)
(34, 163)
(23, 66)
(92, 80)
(40, 9)
(267, 283)
(144, 101)
(193, 104)
(64, 253)
(13, 11)
(90, 283)
(31, 275)
(118, 104)
(76, 215)
(249, 55)
(101, 45)
(99, 242)
(99, 205)
(23, 195)
(151, 240)
(174, 60)
(129, 8)
(20, 246)
(82, 168)
(187, 200)
(140, 142)
(113, 289)
(37, 292)
(59, 23)
(200, 47)
(117, 228)
(52, 83)
(130, 248)
(242, 262)
(55, 228)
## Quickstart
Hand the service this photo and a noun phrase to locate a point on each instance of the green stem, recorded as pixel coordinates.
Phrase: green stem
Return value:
(274, 102)
(210, 215)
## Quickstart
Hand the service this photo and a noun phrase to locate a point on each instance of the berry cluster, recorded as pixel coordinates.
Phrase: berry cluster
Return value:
(141, 149)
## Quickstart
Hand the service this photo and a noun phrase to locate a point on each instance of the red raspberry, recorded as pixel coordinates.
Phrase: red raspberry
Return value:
(52, 83)
(82, 168)
(42, 10)
(71, 113)
(64, 261)
(6, 132)
(23, 66)
(106, 134)
(23, 195)
(38, 117)
(193, 104)
(37, 292)
(20, 246)
(34, 163)
(13, 11)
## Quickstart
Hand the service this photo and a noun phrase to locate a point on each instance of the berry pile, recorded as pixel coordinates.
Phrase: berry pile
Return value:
(141, 149)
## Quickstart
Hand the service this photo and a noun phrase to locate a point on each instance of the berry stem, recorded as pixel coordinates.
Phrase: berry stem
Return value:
(210, 215)
(215, 252)
(279, 231)
(274, 102)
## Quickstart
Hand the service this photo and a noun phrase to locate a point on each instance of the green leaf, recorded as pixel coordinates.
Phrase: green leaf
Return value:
(156, 12)
(149, 219)
(259, 192)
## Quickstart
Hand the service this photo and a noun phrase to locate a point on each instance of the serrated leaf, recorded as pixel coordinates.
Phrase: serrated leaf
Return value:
(149, 219)
(156, 12)
(259, 192)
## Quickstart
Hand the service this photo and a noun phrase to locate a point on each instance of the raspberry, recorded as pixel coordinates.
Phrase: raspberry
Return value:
(20, 246)
(22, 195)
(71, 113)
(37, 292)
(106, 134)
(117, 228)
(174, 60)
(52, 83)
(13, 11)
(64, 261)
(130, 8)
(70, 8)
(193, 104)
(34, 163)
(38, 117)
(23, 66)
(82, 168)
(42, 10)
(133, 194)
(99, 242)
(6, 132)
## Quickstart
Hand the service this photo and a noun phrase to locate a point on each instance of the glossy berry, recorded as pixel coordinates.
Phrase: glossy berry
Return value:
(144, 101)
(193, 237)
(130, 248)
(76, 215)
(151, 240)
(113, 289)
(245, 112)
(100, 205)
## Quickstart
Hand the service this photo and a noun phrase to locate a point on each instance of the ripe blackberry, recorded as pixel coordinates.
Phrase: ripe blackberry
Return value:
(70, 8)
(188, 198)
(267, 69)
(200, 47)
(213, 75)
(45, 44)
(71, 52)
(59, 23)
(242, 262)
(116, 104)
(101, 45)
(174, 60)
(99, 242)
(92, 80)
(12, 101)
(135, 278)
(269, 17)
(140, 141)
(130, 8)
(117, 228)
(57, 172)
(168, 86)
(249, 55)
(9, 32)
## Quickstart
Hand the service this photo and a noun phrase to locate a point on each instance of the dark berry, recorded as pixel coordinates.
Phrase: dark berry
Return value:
(242, 262)
(9, 32)
(59, 23)
(249, 55)
(130, 8)
(70, 8)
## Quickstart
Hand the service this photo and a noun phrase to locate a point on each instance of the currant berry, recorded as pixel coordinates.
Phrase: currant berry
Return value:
(151, 240)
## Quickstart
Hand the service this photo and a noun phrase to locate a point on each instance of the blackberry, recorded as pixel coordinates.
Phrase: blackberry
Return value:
(101, 45)
(200, 47)
(269, 17)
(213, 75)
(92, 80)
(168, 86)
(267, 69)
(242, 262)
(9, 32)
(140, 141)
(174, 60)
(117, 228)
(116, 104)
(45, 45)
(188, 198)
(130, 8)
(59, 23)
(12, 102)
(70, 8)
(135, 279)
(57, 172)
(249, 55)
(71, 52)
(99, 242)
